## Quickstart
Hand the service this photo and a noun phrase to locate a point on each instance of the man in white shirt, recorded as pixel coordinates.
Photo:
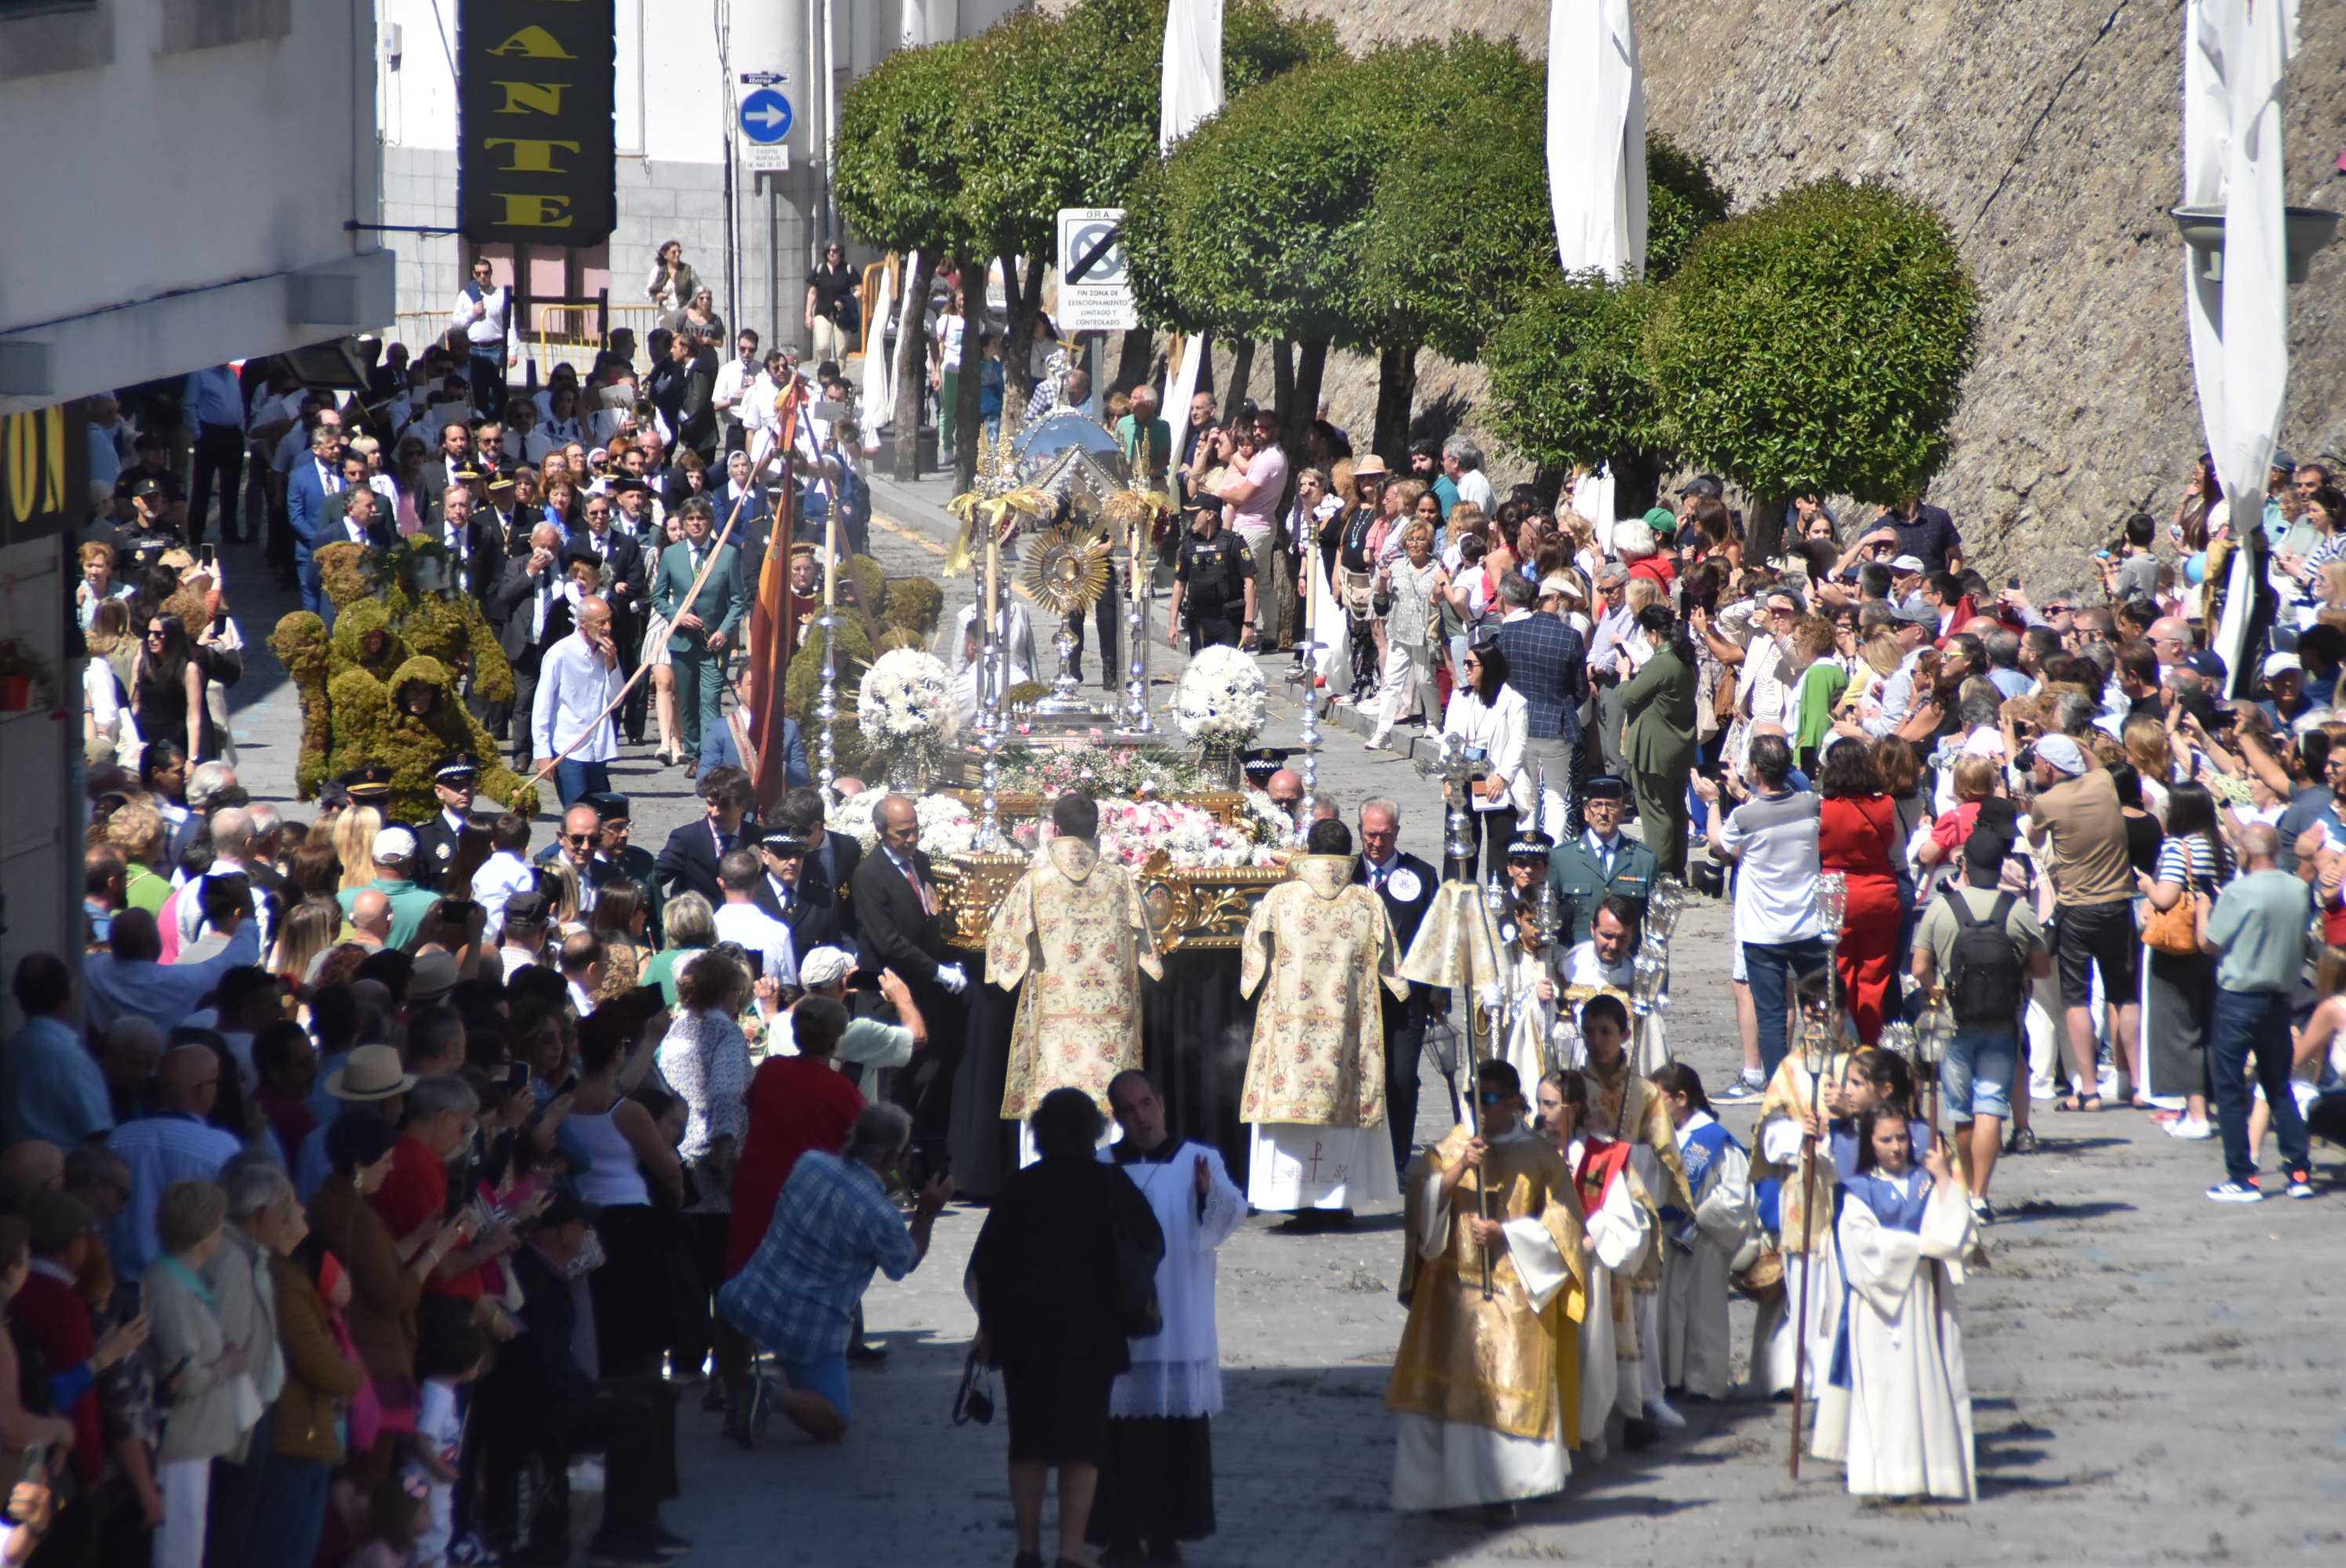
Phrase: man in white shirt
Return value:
(482, 312)
(577, 684)
(740, 920)
(735, 377)
(1462, 460)
(1772, 839)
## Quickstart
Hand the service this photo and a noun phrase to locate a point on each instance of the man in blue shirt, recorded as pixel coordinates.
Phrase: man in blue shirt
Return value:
(212, 402)
(51, 1088)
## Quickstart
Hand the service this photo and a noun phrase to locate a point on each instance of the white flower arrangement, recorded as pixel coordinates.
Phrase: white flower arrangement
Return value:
(947, 828)
(1265, 822)
(1132, 830)
(1219, 701)
(906, 702)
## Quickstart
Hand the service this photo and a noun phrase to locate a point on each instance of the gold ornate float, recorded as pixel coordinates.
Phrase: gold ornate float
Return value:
(1201, 908)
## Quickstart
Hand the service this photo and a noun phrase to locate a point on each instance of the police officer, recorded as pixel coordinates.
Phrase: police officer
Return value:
(453, 780)
(615, 818)
(1602, 860)
(1213, 576)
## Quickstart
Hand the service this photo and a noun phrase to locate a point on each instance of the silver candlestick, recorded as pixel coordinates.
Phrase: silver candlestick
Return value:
(1137, 720)
(826, 708)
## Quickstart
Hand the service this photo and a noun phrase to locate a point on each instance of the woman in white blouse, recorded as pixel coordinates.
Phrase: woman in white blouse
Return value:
(1491, 719)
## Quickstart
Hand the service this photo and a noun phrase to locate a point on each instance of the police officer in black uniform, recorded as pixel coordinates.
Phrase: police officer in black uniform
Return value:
(1213, 580)
(435, 840)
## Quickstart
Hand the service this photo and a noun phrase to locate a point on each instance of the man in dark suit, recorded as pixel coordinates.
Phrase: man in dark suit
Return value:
(578, 844)
(782, 859)
(533, 609)
(356, 517)
(311, 481)
(896, 914)
(688, 863)
(695, 413)
(826, 867)
(453, 781)
(627, 860)
(476, 552)
(450, 466)
(702, 631)
(1406, 884)
(625, 586)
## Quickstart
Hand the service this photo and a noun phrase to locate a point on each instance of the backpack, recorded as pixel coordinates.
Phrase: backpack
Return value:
(1984, 985)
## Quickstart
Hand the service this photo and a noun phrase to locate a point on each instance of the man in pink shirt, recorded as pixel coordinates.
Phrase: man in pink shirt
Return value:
(1254, 496)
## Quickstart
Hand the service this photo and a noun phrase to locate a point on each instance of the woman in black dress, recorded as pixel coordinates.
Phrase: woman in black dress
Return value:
(1048, 1313)
(167, 690)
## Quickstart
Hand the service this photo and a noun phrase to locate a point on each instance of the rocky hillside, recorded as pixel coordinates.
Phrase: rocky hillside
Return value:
(2049, 133)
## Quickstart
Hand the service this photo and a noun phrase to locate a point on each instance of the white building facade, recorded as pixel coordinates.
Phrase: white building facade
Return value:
(750, 229)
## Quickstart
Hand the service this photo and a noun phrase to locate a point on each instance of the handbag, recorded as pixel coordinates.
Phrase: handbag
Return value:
(2175, 932)
(973, 1400)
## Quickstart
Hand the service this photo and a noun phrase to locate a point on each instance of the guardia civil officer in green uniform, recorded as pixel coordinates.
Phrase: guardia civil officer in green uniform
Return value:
(1213, 585)
(1603, 860)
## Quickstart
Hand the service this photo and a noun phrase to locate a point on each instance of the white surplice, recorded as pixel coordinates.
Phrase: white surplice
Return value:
(1694, 1279)
(1775, 1346)
(1903, 1426)
(1620, 1233)
(1460, 1464)
(1178, 1371)
(1293, 1165)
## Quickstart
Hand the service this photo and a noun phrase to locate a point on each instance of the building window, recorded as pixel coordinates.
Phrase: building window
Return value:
(39, 37)
(212, 24)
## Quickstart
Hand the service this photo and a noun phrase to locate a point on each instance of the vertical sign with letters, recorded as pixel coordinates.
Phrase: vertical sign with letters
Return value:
(43, 471)
(537, 159)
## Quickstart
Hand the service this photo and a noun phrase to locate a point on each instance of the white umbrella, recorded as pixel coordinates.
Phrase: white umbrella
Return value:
(1596, 137)
(1191, 90)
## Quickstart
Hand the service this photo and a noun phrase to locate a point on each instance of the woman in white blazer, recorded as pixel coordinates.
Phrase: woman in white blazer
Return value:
(1491, 718)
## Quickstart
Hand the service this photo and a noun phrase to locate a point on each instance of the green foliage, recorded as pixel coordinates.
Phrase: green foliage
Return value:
(1569, 384)
(1681, 201)
(1462, 228)
(1818, 343)
(899, 172)
(803, 683)
(364, 638)
(913, 605)
(300, 646)
(1254, 225)
(864, 585)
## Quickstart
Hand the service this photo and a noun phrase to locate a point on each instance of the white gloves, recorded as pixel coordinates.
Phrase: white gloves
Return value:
(952, 977)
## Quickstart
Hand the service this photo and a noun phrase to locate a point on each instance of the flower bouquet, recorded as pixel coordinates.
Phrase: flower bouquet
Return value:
(1101, 770)
(1220, 706)
(904, 712)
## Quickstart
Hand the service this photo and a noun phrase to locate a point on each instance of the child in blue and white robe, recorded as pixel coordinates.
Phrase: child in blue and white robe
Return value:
(1700, 1248)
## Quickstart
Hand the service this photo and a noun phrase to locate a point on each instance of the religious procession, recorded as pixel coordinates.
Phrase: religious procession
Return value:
(845, 796)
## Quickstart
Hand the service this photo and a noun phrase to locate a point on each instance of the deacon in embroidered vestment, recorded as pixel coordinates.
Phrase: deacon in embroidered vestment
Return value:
(1073, 929)
(1314, 1101)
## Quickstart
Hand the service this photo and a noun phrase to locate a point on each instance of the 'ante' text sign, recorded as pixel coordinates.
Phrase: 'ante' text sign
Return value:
(536, 160)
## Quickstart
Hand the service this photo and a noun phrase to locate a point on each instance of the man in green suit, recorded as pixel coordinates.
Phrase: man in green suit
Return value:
(1657, 737)
(1601, 862)
(700, 633)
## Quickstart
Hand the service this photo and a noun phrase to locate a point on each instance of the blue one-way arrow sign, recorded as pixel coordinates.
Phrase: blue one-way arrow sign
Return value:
(766, 117)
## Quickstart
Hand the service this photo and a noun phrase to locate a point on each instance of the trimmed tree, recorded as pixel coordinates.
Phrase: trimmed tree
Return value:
(1681, 201)
(898, 184)
(1569, 387)
(1818, 344)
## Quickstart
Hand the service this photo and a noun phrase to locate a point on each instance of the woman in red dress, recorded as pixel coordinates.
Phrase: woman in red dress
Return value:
(1857, 835)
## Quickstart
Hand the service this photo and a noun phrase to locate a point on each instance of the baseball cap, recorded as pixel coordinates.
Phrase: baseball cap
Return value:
(394, 843)
(2208, 662)
(2281, 664)
(1702, 484)
(1661, 520)
(2058, 751)
(1916, 613)
(1906, 564)
(824, 966)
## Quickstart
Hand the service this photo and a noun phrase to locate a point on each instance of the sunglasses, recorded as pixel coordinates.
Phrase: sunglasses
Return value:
(577, 838)
(1491, 1098)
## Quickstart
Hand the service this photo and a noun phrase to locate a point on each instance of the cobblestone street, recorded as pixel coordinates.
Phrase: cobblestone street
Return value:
(2156, 1378)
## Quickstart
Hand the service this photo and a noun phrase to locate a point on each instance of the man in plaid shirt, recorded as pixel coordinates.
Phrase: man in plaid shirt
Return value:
(833, 1226)
(1548, 663)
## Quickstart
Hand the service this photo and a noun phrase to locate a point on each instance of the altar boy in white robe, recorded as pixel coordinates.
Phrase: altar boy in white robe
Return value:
(1157, 1480)
(1702, 1245)
(1896, 1407)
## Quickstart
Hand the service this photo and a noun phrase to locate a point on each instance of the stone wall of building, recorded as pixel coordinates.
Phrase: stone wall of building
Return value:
(2050, 135)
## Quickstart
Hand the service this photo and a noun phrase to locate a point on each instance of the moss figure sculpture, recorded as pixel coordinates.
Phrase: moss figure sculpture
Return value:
(300, 646)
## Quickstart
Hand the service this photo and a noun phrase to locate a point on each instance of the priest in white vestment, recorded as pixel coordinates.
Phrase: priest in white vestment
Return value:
(1157, 1483)
(1315, 951)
